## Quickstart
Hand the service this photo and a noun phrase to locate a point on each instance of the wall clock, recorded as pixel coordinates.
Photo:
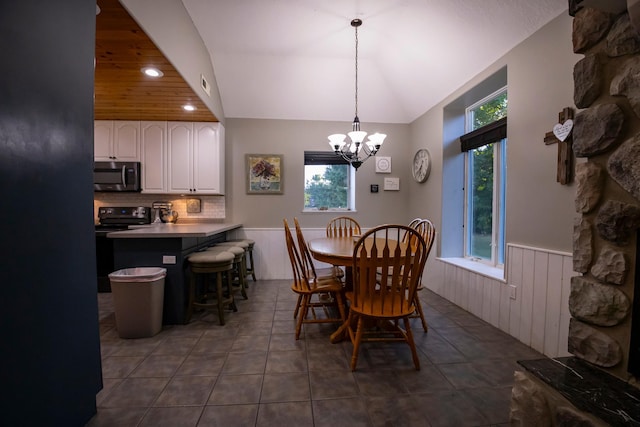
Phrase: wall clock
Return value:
(421, 165)
(383, 164)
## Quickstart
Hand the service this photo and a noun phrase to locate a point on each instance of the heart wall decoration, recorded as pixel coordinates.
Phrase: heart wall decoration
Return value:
(562, 131)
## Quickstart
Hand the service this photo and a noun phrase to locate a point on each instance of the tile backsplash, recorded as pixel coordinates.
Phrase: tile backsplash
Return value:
(211, 207)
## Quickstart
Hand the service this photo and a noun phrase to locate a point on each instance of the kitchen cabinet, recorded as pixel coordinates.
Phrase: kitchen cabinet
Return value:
(117, 140)
(153, 156)
(195, 158)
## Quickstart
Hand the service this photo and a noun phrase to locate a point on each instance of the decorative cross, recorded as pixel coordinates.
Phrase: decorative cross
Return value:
(562, 135)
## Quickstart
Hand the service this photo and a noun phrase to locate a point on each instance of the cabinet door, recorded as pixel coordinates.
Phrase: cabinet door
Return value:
(179, 157)
(102, 140)
(126, 141)
(153, 140)
(208, 176)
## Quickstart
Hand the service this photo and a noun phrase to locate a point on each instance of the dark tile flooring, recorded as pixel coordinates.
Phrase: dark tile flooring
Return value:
(252, 372)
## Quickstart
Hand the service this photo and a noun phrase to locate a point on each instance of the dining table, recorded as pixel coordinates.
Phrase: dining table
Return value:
(333, 249)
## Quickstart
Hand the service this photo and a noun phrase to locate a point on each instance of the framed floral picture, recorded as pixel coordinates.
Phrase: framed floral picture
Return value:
(264, 173)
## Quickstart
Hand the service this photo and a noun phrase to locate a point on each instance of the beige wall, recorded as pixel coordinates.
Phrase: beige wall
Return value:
(291, 138)
(540, 211)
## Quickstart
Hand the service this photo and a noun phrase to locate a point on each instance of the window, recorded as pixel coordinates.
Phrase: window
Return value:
(485, 146)
(328, 182)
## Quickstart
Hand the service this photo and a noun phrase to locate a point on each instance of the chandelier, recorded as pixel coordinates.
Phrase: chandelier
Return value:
(355, 151)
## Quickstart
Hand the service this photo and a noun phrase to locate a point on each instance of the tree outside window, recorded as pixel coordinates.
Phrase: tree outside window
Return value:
(328, 181)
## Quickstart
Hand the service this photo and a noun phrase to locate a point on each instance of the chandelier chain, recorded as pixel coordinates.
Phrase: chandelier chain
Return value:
(356, 151)
(356, 71)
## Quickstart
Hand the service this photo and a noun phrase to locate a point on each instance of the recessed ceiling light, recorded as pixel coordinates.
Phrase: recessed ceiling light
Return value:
(189, 107)
(152, 72)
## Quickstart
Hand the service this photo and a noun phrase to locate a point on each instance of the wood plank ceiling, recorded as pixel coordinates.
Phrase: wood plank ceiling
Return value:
(122, 91)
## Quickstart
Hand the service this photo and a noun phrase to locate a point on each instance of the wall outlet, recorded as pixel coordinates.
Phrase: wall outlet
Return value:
(168, 259)
(512, 291)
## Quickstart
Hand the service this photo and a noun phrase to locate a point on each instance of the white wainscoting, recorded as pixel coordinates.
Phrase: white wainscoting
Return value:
(538, 316)
(270, 250)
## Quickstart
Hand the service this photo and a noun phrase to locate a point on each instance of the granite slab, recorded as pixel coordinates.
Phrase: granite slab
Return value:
(589, 388)
(156, 231)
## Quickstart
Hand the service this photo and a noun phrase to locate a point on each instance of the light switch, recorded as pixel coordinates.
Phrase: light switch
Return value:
(168, 259)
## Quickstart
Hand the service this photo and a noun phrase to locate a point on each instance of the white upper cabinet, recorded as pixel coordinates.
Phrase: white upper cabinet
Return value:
(153, 156)
(175, 157)
(180, 160)
(195, 158)
(103, 139)
(208, 158)
(117, 140)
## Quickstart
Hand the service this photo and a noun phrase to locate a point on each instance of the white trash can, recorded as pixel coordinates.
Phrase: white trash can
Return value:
(138, 296)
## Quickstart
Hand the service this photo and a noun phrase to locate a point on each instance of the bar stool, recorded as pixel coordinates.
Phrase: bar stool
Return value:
(247, 245)
(238, 265)
(204, 264)
(249, 265)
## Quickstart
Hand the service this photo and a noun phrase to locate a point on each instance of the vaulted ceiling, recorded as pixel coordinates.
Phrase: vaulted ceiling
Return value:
(295, 59)
(122, 91)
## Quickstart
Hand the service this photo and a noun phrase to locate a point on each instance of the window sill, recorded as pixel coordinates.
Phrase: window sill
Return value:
(477, 267)
(315, 210)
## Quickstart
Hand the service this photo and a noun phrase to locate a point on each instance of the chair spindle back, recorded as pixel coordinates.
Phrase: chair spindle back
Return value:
(384, 250)
(300, 273)
(343, 226)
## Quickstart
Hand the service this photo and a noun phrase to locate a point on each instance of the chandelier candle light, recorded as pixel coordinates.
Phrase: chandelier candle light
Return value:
(355, 152)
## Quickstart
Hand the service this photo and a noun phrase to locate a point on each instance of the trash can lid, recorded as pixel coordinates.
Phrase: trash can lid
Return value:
(138, 274)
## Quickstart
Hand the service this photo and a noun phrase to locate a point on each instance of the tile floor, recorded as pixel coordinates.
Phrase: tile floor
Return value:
(252, 372)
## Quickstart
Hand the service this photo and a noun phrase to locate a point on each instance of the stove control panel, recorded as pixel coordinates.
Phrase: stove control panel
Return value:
(127, 214)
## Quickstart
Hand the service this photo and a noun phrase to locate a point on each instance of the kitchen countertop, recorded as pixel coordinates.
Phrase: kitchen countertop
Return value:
(173, 230)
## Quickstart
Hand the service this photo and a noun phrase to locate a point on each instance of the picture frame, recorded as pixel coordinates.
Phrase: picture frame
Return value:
(264, 173)
(383, 164)
(392, 184)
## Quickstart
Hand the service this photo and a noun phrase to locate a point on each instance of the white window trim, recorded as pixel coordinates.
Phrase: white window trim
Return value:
(316, 210)
(497, 180)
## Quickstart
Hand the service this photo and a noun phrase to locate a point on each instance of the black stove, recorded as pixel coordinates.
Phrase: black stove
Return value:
(114, 219)
(111, 216)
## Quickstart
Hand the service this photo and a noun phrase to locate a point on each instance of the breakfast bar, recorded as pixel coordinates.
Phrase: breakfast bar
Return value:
(167, 246)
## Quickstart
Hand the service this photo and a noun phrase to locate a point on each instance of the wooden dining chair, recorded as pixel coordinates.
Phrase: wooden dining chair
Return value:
(343, 226)
(317, 274)
(428, 232)
(414, 221)
(382, 249)
(308, 288)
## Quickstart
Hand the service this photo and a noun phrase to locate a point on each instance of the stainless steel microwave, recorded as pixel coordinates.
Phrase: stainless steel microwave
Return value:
(116, 176)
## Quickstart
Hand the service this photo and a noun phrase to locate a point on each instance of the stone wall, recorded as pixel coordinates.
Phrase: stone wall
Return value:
(606, 140)
(606, 134)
